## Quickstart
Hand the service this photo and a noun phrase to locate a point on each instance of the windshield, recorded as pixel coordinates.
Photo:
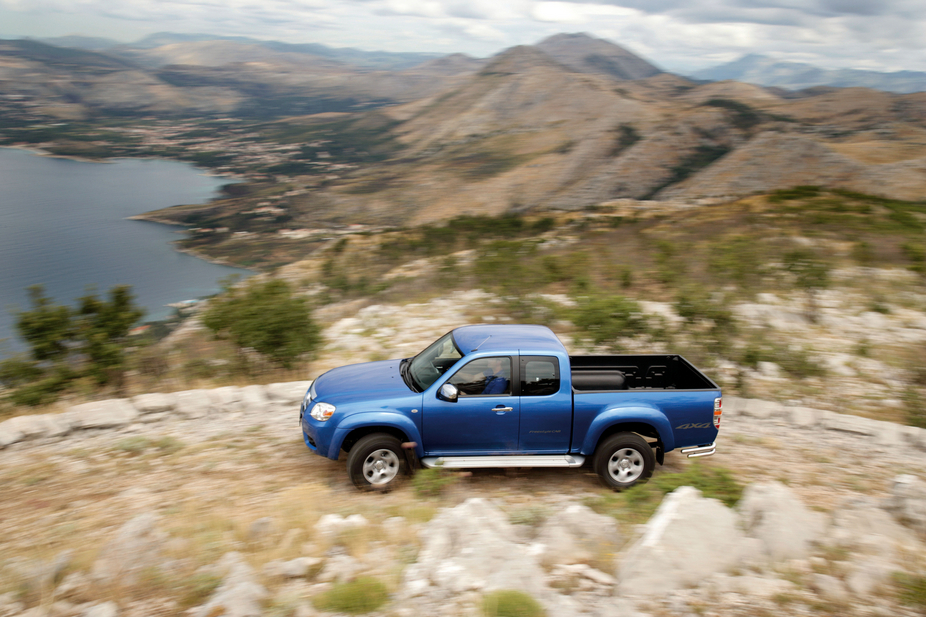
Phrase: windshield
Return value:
(433, 362)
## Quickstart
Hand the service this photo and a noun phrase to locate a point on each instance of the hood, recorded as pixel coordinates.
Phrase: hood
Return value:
(360, 382)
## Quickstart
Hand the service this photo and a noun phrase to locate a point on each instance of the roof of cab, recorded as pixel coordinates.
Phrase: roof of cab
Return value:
(506, 338)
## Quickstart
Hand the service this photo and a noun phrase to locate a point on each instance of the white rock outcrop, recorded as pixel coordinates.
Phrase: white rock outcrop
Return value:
(239, 595)
(575, 534)
(134, 549)
(471, 548)
(687, 539)
(102, 414)
(908, 501)
(771, 512)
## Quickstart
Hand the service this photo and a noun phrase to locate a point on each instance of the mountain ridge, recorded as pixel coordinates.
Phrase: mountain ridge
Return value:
(766, 71)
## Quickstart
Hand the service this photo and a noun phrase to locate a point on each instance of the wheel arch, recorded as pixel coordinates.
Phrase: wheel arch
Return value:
(358, 426)
(360, 432)
(646, 422)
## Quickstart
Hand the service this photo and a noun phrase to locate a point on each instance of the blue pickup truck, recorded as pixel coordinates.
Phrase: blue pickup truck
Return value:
(510, 396)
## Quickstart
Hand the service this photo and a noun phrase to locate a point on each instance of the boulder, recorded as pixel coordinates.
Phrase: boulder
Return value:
(470, 548)
(330, 526)
(915, 436)
(771, 512)
(135, 549)
(757, 586)
(260, 529)
(908, 501)
(829, 588)
(889, 434)
(239, 595)
(9, 433)
(22, 428)
(576, 534)
(868, 575)
(102, 414)
(804, 417)
(340, 568)
(760, 409)
(855, 425)
(298, 567)
(105, 609)
(687, 539)
(155, 402)
(253, 398)
(859, 525)
(193, 403)
(226, 398)
(290, 393)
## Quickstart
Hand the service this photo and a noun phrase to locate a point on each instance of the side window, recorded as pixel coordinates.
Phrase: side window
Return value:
(484, 376)
(539, 375)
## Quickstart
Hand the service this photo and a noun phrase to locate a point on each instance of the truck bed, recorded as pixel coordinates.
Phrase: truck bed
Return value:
(650, 372)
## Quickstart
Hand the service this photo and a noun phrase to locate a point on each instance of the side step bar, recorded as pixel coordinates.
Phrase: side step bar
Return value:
(700, 450)
(474, 462)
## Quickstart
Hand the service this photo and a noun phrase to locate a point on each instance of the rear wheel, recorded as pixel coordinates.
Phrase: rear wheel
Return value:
(376, 462)
(623, 460)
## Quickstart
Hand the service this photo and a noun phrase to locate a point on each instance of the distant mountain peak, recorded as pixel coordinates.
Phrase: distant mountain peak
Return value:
(584, 53)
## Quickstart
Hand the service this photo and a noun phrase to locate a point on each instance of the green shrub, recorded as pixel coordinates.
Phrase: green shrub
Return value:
(915, 407)
(133, 445)
(511, 603)
(738, 258)
(797, 192)
(911, 589)
(266, 317)
(363, 595)
(639, 502)
(603, 319)
(431, 482)
(197, 589)
(168, 444)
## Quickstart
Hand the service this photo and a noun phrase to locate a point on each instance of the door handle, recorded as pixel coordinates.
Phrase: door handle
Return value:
(502, 409)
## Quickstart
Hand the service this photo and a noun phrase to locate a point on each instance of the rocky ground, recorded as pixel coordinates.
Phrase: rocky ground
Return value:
(207, 502)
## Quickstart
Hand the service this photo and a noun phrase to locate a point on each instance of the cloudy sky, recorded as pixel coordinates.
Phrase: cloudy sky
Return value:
(678, 35)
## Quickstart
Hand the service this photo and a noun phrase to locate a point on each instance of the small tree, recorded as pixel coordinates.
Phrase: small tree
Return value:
(266, 317)
(67, 343)
(604, 319)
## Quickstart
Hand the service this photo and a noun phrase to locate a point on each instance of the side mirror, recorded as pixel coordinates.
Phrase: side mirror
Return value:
(448, 392)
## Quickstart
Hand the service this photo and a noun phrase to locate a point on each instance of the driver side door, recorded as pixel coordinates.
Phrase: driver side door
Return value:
(484, 419)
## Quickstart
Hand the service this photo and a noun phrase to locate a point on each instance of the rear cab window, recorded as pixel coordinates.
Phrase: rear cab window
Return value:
(539, 375)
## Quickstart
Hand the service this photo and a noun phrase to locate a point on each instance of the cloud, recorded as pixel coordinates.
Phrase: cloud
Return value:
(676, 34)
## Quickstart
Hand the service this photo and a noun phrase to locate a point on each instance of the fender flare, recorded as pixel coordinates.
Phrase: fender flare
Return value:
(625, 415)
(391, 419)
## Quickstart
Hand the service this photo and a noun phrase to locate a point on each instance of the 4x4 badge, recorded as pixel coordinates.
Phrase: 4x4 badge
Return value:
(684, 426)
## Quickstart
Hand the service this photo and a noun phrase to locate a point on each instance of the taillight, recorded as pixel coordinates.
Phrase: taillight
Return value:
(718, 411)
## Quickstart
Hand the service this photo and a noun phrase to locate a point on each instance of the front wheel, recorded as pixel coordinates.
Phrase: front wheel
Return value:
(376, 462)
(623, 460)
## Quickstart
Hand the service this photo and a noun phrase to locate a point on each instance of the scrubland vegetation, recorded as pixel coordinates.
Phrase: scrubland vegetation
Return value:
(586, 274)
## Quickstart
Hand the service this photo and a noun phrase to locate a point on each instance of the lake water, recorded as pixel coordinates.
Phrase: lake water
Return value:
(63, 225)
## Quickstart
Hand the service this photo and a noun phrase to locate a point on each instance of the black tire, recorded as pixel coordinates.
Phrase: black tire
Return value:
(376, 463)
(623, 460)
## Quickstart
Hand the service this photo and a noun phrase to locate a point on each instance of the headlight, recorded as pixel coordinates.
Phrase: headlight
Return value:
(322, 411)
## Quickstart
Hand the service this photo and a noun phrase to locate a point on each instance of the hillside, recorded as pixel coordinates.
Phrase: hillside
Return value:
(569, 123)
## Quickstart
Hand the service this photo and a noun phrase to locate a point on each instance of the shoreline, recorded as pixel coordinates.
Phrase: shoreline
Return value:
(51, 155)
(213, 260)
